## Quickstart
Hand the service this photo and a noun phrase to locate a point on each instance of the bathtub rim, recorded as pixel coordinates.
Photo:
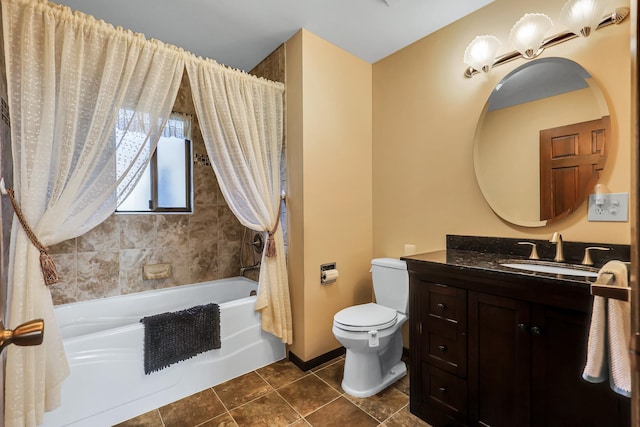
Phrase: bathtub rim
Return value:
(161, 290)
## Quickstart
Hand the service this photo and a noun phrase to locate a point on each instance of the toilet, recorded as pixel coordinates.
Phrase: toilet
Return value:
(371, 332)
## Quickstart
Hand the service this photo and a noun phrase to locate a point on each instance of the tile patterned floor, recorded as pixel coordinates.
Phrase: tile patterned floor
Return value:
(280, 394)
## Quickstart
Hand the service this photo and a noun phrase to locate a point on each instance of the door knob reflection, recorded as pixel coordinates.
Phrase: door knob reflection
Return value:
(26, 334)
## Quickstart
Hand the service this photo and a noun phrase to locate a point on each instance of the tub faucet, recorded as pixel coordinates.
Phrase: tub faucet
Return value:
(557, 239)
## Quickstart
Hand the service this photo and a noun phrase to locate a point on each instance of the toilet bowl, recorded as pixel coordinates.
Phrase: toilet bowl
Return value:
(371, 333)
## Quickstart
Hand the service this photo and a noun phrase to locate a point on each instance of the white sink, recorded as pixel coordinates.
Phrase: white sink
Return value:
(553, 269)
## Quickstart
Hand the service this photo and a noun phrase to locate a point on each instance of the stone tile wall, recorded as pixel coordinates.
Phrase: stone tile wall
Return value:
(273, 66)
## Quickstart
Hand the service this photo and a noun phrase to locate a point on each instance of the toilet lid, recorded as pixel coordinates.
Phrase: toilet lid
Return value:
(365, 317)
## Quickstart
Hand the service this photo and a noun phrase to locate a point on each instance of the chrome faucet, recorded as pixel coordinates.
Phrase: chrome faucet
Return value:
(557, 239)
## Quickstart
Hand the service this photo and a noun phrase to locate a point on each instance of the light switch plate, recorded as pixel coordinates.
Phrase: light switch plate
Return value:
(614, 209)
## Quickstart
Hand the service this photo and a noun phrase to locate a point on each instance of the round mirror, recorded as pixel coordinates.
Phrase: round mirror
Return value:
(541, 142)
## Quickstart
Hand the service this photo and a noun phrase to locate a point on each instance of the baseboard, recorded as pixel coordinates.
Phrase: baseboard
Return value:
(323, 358)
(316, 361)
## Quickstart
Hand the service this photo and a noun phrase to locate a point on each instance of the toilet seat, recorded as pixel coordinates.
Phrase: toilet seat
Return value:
(365, 317)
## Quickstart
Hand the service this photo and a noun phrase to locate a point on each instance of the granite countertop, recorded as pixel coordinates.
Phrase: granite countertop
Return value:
(483, 255)
(479, 262)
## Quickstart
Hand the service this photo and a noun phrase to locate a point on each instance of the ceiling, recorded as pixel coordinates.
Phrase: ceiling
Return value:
(241, 33)
(534, 80)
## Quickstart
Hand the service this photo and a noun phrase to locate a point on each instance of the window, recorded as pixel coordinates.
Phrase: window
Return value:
(165, 185)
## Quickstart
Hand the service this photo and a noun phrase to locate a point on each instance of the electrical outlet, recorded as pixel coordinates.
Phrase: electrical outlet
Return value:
(615, 208)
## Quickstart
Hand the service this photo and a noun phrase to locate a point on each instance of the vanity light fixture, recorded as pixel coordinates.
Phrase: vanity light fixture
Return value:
(580, 16)
(527, 35)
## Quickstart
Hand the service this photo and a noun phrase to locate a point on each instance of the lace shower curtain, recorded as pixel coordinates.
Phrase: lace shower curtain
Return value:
(178, 125)
(241, 118)
(69, 76)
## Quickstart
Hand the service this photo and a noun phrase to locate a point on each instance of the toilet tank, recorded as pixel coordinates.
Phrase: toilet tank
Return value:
(391, 283)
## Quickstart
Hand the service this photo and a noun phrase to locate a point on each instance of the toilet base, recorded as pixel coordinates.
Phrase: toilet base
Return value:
(398, 371)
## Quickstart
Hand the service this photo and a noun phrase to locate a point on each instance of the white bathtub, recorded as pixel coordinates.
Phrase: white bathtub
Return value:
(104, 344)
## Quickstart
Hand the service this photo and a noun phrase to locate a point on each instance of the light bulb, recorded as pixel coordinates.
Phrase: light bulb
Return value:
(481, 52)
(583, 16)
(528, 33)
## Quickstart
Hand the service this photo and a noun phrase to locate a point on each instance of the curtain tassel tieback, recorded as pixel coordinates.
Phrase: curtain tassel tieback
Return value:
(49, 271)
(270, 247)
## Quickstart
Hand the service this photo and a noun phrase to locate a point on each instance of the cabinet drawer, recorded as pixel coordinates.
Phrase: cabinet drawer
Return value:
(443, 305)
(446, 391)
(447, 303)
(448, 354)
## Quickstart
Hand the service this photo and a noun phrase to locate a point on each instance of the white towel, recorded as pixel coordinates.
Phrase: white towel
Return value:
(608, 347)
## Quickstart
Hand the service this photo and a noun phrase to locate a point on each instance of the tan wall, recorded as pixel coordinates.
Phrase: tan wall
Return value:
(329, 157)
(424, 119)
(295, 190)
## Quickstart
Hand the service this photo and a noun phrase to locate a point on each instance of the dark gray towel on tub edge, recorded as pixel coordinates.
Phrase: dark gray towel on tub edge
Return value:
(172, 337)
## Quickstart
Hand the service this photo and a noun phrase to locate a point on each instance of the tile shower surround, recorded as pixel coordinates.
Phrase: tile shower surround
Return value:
(108, 260)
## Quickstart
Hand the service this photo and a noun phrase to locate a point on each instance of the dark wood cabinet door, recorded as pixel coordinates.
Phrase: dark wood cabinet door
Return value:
(499, 361)
(560, 397)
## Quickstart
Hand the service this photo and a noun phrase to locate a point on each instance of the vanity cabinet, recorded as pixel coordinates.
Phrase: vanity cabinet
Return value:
(491, 351)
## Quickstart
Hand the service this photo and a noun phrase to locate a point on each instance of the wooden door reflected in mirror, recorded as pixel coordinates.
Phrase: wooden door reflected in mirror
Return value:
(572, 158)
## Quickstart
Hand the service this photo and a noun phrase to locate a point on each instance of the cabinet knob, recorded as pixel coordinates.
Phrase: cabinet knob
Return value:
(443, 390)
(522, 327)
(536, 330)
(442, 348)
(441, 306)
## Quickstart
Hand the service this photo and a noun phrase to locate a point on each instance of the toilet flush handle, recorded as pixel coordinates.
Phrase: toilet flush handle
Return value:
(374, 341)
